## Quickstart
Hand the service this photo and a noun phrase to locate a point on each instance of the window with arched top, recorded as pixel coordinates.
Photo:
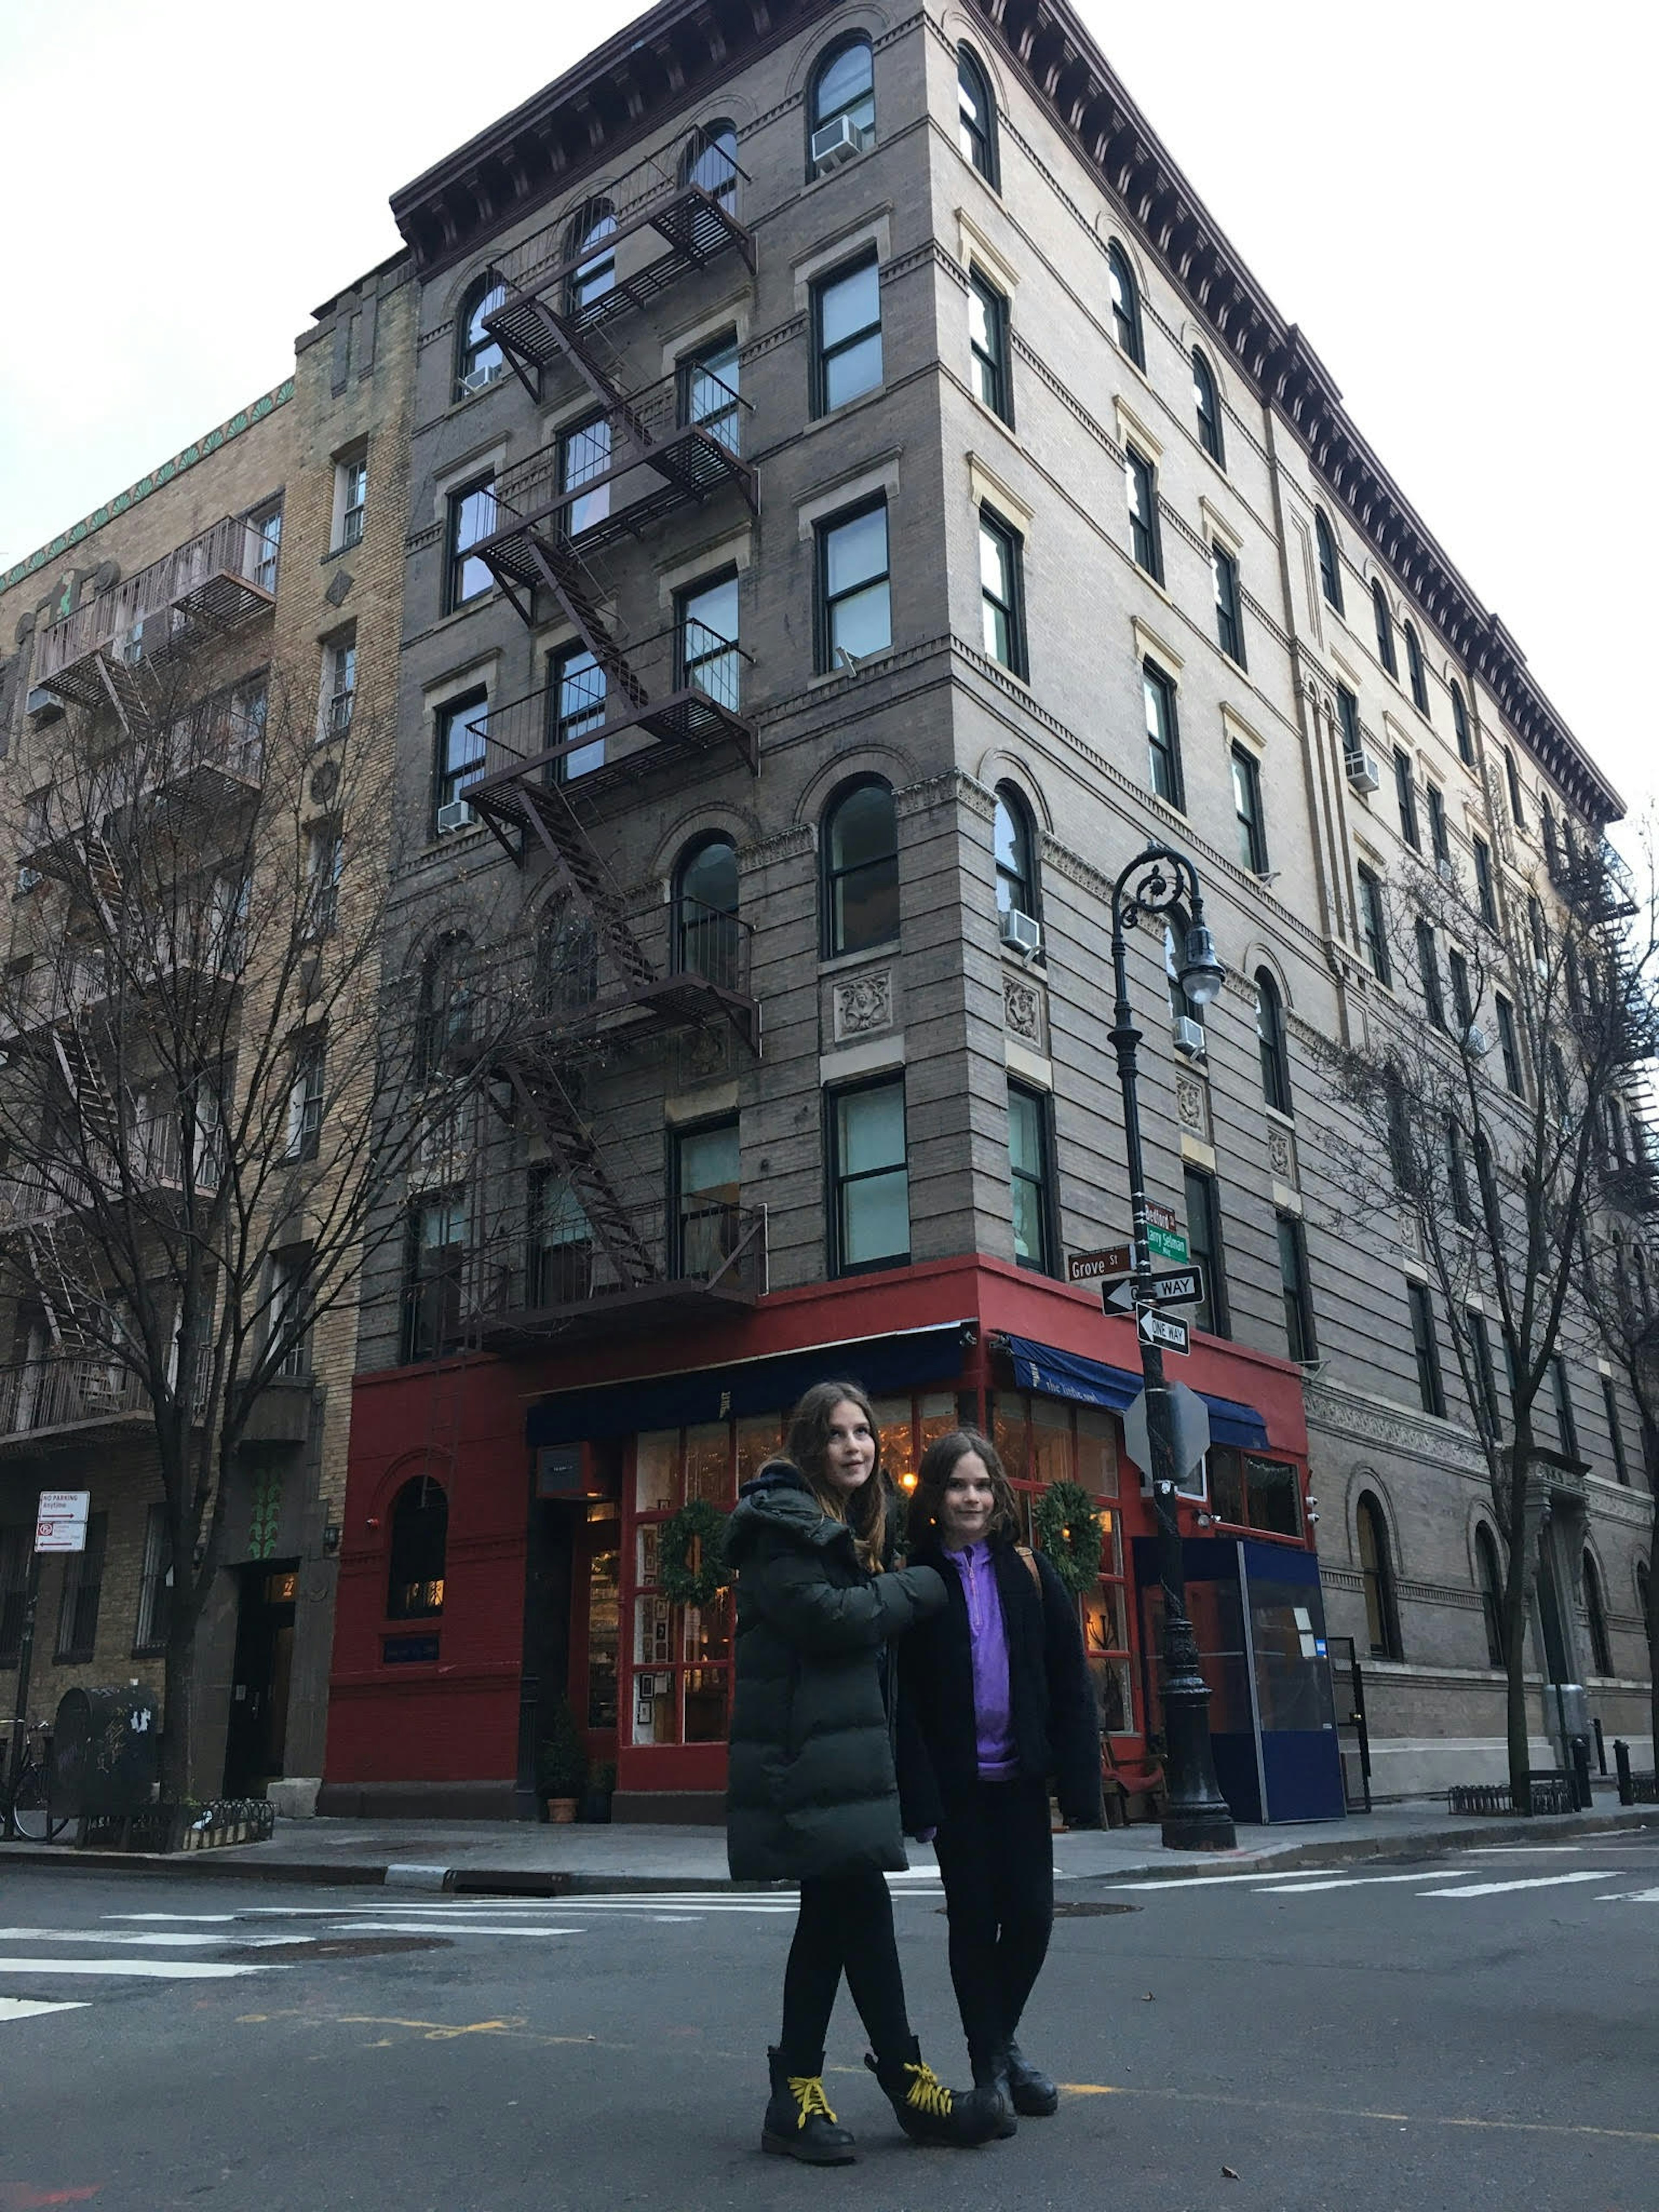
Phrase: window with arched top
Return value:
(1376, 1573)
(1270, 1036)
(1206, 404)
(1414, 671)
(590, 243)
(444, 1018)
(861, 869)
(840, 106)
(1385, 651)
(1644, 1590)
(419, 1539)
(706, 912)
(1490, 1576)
(1595, 1618)
(977, 115)
(1330, 564)
(478, 359)
(567, 957)
(710, 162)
(1126, 304)
(1015, 842)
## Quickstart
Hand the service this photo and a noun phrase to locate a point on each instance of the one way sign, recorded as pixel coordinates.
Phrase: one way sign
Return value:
(1181, 1286)
(1162, 1329)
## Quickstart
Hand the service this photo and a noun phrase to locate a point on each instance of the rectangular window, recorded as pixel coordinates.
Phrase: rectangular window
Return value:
(339, 683)
(708, 392)
(575, 713)
(83, 1579)
(1141, 484)
(1462, 1002)
(266, 524)
(987, 347)
(706, 618)
(1162, 735)
(434, 1262)
(1615, 1430)
(559, 1258)
(1485, 894)
(584, 454)
(351, 499)
(1406, 792)
(1030, 1179)
(325, 864)
(704, 1167)
(846, 334)
(1229, 607)
(16, 1552)
(1001, 613)
(149, 1633)
(1439, 843)
(1347, 719)
(1566, 1423)
(471, 519)
(1246, 811)
(1428, 970)
(305, 1104)
(854, 604)
(1517, 811)
(1486, 1374)
(1425, 1345)
(1248, 1492)
(869, 1184)
(1457, 1175)
(1508, 1045)
(1204, 1242)
(458, 749)
(1293, 1283)
(1373, 926)
(290, 1284)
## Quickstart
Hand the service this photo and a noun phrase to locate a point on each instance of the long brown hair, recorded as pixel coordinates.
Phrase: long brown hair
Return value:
(865, 1509)
(938, 1463)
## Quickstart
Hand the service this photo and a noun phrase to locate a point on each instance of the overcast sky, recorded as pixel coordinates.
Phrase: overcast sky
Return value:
(1453, 198)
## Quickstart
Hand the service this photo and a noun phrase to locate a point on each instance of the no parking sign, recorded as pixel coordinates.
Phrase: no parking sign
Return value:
(60, 1525)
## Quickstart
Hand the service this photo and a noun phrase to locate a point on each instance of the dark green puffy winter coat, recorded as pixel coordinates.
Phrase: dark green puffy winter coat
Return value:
(813, 1789)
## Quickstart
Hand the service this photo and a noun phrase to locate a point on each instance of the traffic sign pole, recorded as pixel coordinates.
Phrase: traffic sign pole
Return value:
(25, 1663)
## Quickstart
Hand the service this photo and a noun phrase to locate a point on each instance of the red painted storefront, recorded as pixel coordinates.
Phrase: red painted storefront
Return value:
(435, 1697)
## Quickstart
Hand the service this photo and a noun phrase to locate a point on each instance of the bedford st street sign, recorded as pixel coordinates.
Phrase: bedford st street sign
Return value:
(1182, 1287)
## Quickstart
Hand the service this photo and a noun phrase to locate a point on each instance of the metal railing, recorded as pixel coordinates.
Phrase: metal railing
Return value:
(56, 1393)
(122, 616)
(689, 406)
(700, 1244)
(576, 975)
(156, 1152)
(224, 736)
(700, 163)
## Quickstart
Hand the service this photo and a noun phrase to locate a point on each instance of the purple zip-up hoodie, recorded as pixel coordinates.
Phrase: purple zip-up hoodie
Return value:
(993, 1714)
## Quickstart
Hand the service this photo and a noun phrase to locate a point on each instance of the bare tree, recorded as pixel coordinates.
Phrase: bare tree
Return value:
(1484, 1126)
(209, 1099)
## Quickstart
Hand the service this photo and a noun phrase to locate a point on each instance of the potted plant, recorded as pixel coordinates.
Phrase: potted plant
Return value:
(601, 1786)
(560, 1764)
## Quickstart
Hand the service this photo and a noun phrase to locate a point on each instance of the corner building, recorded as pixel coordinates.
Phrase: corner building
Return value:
(856, 503)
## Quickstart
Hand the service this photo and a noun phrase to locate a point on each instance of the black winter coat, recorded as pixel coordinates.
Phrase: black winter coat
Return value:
(1056, 1722)
(813, 1789)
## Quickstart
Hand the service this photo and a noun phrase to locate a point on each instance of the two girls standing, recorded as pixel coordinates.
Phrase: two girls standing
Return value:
(814, 1792)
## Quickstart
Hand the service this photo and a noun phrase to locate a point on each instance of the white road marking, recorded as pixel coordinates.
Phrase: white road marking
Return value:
(27, 2008)
(171, 1916)
(1630, 1897)
(178, 1942)
(1355, 1882)
(155, 1970)
(1536, 1881)
(1211, 1881)
(425, 1928)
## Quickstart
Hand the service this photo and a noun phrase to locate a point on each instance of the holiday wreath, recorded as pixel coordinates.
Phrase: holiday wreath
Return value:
(698, 1526)
(1068, 1529)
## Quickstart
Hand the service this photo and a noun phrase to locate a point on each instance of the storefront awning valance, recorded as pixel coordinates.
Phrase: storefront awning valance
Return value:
(1090, 1382)
(905, 1361)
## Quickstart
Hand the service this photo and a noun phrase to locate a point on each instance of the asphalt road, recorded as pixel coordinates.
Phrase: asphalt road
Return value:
(1471, 2031)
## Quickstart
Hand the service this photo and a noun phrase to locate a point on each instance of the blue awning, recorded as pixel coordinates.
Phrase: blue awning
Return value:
(1091, 1382)
(903, 1361)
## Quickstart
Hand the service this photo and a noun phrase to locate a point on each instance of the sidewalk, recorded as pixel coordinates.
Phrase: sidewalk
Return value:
(522, 1858)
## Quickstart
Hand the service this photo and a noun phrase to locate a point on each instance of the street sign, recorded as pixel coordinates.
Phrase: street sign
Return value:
(1189, 1430)
(60, 1523)
(1166, 1243)
(1162, 1329)
(1161, 1216)
(1092, 1267)
(1184, 1288)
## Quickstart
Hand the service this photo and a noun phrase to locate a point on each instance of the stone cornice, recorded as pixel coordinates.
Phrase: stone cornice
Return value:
(1045, 40)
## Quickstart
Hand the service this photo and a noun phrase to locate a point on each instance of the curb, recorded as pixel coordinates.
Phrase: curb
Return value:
(538, 1881)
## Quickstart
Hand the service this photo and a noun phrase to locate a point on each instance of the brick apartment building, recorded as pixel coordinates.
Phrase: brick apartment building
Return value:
(857, 499)
(254, 582)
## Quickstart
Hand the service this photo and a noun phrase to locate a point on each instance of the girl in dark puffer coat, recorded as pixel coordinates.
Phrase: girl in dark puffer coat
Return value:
(813, 1796)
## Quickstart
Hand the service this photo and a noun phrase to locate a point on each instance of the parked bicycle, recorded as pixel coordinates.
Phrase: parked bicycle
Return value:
(25, 1809)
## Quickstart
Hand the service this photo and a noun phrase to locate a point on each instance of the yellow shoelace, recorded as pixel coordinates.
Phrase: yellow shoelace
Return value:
(927, 2094)
(807, 2090)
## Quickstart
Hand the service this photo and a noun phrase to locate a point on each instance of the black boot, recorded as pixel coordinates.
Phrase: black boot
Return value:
(991, 2076)
(1027, 2090)
(927, 2111)
(799, 2122)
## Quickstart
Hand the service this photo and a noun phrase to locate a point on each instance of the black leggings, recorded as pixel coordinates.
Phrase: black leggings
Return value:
(846, 1926)
(996, 1856)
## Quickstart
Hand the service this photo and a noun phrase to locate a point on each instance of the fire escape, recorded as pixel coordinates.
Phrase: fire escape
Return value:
(639, 711)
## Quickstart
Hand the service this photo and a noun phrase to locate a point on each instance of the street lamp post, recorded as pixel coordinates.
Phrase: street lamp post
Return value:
(1161, 881)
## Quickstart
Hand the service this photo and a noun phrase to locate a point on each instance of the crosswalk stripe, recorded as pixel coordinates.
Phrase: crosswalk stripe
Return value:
(27, 2008)
(1630, 1897)
(156, 1970)
(425, 1928)
(1355, 1882)
(1534, 1881)
(177, 1942)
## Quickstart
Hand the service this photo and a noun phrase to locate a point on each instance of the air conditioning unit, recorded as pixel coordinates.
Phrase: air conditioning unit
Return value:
(43, 705)
(1020, 929)
(476, 379)
(839, 142)
(27, 878)
(457, 815)
(1476, 1043)
(1364, 773)
(1188, 1037)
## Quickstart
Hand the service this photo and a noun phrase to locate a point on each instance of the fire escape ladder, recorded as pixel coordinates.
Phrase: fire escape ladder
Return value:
(570, 1144)
(574, 855)
(132, 690)
(563, 576)
(78, 1064)
(67, 1310)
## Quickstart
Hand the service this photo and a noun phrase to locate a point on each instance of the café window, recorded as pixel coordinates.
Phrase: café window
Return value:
(1246, 1491)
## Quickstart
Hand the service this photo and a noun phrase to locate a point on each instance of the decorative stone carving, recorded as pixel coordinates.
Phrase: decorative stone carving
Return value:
(1193, 1105)
(1281, 1154)
(864, 1003)
(1023, 1010)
